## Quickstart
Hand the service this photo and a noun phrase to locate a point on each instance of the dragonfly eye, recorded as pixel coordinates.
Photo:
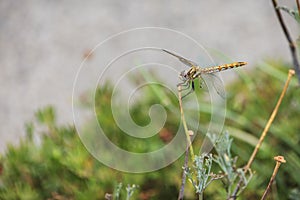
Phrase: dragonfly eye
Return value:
(182, 75)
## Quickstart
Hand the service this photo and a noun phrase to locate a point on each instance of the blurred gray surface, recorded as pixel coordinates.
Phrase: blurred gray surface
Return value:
(42, 44)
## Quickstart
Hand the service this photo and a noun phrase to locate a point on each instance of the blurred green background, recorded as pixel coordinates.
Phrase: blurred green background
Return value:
(43, 43)
(59, 167)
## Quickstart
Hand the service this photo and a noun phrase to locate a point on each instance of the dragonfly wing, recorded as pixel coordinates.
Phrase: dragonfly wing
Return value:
(182, 59)
(203, 84)
(214, 81)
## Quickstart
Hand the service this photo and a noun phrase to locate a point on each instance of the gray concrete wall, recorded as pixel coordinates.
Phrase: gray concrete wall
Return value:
(42, 43)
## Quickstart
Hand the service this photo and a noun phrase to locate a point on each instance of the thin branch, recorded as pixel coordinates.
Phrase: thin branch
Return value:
(289, 39)
(279, 160)
(264, 133)
(183, 179)
(271, 119)
(188, 149)
(298, 6)
(186, 130)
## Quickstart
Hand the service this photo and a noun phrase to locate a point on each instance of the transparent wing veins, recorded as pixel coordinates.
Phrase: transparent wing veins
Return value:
(182, 59)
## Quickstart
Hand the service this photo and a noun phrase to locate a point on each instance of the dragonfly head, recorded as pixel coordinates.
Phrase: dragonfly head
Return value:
(184, 75)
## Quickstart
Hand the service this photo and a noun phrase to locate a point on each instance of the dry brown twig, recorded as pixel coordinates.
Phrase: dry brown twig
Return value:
(279, 160)
(289, 38)
(271, 119)
(189, 147)
(188, 132)
(264, 133)
(183, 178)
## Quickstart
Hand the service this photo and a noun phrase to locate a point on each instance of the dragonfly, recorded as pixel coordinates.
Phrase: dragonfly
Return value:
(188, 76)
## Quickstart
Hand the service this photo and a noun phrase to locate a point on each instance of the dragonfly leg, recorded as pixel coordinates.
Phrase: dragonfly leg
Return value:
(186, 85)
(191, 91)
(185, 88)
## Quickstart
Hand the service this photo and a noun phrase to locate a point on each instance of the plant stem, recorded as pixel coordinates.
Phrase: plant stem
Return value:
(271, 119)
(188, 149)
(200, 196)
(298, 6)
(289, 38)
(264, 133)
(187, 132)
(279, 160)
(183, 179)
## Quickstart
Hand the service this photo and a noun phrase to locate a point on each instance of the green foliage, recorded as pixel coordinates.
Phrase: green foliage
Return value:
(227, 163)
(139, 113)
(53, 163)
(130, 190)
(117, 192)
(200, 176)
(250, 104)
(58, 166)
(293, 13)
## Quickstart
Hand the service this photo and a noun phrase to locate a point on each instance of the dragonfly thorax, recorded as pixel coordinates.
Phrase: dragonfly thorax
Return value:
(188, 74)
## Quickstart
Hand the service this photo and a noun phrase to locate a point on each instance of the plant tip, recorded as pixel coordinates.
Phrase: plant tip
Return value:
(292, 72)
(190, 132)
(280, 159)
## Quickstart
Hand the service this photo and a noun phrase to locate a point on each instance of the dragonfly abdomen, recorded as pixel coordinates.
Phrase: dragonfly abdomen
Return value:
(222, 67)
